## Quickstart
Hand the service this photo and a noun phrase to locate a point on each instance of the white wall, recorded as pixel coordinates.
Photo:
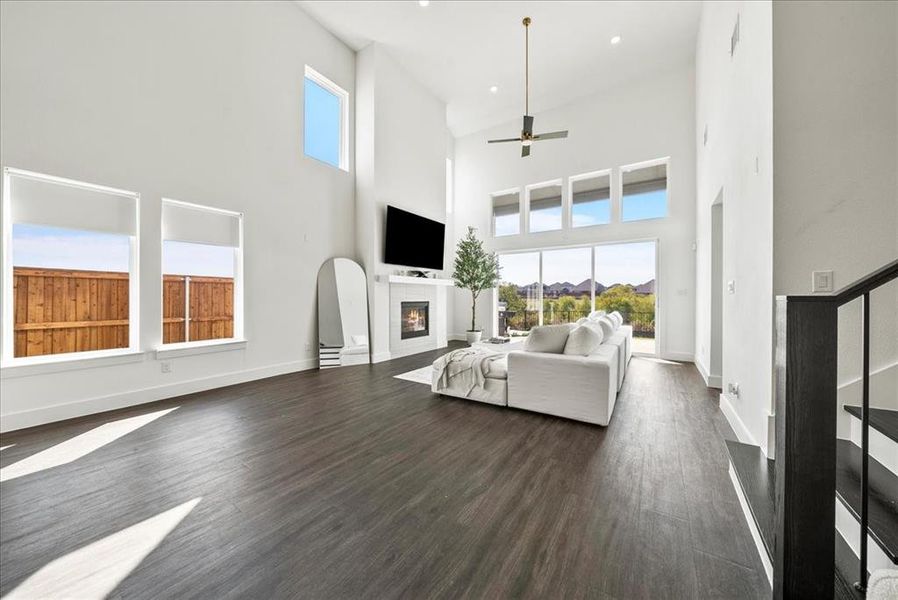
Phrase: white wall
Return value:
(734, 103)
(402, 162)
(648, 120)
(835, 83)
(197, 101)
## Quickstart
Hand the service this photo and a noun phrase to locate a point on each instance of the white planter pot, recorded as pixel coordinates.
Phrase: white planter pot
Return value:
(473, 337)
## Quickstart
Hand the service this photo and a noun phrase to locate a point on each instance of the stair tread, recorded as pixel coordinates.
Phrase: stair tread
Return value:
(882, 420)
(755, 473)
(883, 506)
(847, 567)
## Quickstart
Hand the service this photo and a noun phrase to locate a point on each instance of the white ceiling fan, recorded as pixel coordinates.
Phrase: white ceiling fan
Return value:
(527, 135)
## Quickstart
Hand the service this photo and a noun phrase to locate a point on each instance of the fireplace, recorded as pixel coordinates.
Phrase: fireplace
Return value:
(415, 320)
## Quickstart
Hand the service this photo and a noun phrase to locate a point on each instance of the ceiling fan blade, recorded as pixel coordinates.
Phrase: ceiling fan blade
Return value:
(525, 151)
(503, 141)
(528, 125)
(550, 136)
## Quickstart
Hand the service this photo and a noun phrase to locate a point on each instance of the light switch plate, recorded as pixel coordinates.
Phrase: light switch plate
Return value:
(731, 286)
(822, 281)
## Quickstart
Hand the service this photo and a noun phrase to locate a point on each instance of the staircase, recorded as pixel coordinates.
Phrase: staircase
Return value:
(818, 479)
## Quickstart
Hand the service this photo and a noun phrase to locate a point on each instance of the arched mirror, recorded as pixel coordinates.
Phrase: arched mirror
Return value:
(342, 314)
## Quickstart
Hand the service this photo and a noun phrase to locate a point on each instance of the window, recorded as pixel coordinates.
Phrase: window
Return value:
(644, 191)
(519, 293)
(325, 120)
(544, 201)
(70, 267)
(591, 199)
(506, 213)
(625, 282)
(201, 273)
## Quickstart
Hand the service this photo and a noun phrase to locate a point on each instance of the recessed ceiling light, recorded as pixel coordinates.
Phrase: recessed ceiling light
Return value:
(423, 2)
(615, 40)
(494, 89)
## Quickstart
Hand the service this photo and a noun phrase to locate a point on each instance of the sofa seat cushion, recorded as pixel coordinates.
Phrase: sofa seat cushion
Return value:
(548, 338)
(498, 369)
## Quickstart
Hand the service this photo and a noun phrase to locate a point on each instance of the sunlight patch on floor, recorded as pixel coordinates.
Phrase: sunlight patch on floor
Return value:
(2, 448)
(95, 570)
(79, 446)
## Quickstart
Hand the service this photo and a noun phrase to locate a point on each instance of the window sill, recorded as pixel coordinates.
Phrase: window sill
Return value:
(70, 361)
(202, 347)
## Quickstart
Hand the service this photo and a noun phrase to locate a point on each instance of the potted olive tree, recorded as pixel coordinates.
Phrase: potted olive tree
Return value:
(475, 270)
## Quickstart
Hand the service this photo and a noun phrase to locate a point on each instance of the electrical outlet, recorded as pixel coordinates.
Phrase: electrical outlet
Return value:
(822, 281)
(731, 286)
(733, 389)
(166, 366)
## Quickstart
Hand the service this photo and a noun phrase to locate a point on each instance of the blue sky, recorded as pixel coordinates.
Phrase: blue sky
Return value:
(597, 212)
(56, 248)
(632, 263)
(321, 138)
(648, 205)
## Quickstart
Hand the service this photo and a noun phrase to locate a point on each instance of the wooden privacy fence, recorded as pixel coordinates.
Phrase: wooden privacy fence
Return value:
(59, 311)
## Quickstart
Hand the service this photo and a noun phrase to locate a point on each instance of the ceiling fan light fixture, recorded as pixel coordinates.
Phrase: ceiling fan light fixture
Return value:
(526, 142)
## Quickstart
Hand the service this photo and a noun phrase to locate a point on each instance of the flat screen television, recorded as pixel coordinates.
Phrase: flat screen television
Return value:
(413, 241)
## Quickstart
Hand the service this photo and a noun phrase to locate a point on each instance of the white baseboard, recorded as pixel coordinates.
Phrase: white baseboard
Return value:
(713, 381)
(381, 357)
(742, 432)
(753, 527)
(80, 408)
(677, 356)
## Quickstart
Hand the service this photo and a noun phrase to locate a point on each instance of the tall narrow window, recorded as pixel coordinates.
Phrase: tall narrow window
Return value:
(506, 213)
(591, 199)
(644, 192)
(625, 282)
(201, 265)
(545, 207)
(70, 267)
(567, 285)
(325, 120)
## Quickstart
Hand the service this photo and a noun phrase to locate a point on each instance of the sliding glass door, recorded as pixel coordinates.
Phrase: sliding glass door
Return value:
(561, 286)
(567, 285)
(519, 293)
(625, 282)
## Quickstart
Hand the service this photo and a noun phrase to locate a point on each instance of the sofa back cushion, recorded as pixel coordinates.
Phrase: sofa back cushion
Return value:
(594, 315)
(548, 338)
(617, 319)
(607, 327)
(583, 340)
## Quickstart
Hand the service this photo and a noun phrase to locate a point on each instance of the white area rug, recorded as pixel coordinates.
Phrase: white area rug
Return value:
(422, 375)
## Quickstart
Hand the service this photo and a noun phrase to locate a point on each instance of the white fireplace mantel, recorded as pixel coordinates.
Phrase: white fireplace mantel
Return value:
(406, 280)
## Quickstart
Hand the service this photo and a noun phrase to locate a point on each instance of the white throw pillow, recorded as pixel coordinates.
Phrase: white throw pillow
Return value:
(582, 341)
(607, 327)
(594, 315)
(597, 327)
(582, 320)
(548, 338)
(617, 319)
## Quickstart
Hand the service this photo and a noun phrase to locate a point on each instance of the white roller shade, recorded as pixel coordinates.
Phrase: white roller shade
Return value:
(185, 223)
(61, 204)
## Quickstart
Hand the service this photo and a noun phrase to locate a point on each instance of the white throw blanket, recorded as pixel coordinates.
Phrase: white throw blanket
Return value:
(465, 368)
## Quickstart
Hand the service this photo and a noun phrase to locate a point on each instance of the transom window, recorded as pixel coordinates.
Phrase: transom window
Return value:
(644, 191)
(591, 199)
(544, 202)
(506, 213)
(325, 120)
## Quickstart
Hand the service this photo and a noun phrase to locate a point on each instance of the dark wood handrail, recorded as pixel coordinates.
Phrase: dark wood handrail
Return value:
(857, 289)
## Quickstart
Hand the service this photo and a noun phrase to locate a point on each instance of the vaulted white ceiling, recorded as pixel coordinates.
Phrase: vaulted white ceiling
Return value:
(459, 50)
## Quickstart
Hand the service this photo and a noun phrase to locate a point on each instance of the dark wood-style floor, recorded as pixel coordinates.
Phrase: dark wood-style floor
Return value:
(350, 483)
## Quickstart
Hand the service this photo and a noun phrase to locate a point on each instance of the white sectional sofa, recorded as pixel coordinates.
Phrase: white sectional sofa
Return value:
(543, 378)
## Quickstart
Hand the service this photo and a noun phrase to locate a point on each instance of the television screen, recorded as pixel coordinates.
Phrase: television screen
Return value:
(413, 241)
